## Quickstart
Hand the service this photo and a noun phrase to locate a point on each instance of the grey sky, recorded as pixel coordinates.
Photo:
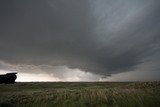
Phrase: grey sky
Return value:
(103, 37)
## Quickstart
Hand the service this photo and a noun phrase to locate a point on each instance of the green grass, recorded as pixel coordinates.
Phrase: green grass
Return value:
(80, 94)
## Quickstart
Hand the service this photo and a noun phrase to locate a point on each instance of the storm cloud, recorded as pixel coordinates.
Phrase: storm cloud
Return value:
(102, 37)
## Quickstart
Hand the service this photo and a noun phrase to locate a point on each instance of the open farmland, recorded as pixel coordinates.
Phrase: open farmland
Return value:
(80, 94)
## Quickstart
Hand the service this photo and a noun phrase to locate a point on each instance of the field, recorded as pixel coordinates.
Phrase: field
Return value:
(80, 94)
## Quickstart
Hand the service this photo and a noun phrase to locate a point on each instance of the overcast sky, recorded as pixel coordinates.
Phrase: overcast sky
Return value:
(80, 40)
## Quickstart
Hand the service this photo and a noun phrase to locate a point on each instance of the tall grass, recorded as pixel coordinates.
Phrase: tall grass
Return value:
(80, 94)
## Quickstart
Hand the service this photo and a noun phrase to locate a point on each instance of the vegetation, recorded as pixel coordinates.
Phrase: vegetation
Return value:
(80, 94)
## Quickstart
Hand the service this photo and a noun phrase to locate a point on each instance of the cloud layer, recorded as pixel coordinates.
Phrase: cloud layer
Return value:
(101, 37)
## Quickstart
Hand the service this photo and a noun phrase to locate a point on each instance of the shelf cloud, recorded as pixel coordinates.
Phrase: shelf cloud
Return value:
(102, 38)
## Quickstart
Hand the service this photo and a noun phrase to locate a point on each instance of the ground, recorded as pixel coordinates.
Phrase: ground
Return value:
(80, 94)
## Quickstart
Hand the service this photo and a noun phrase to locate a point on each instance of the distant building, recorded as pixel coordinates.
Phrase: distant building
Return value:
(8, 78)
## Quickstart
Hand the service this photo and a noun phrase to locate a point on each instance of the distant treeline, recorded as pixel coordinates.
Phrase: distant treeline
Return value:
(8, 78)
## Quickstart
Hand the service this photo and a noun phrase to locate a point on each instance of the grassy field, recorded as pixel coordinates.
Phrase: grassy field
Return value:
(80, 94)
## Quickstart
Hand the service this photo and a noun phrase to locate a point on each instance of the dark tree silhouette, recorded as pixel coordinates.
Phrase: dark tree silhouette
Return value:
(8, 78)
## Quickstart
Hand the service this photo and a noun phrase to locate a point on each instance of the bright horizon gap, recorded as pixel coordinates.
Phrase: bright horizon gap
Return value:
(44, 77)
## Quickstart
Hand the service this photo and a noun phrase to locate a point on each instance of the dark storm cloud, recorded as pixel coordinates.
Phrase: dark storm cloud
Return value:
(99, 36)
